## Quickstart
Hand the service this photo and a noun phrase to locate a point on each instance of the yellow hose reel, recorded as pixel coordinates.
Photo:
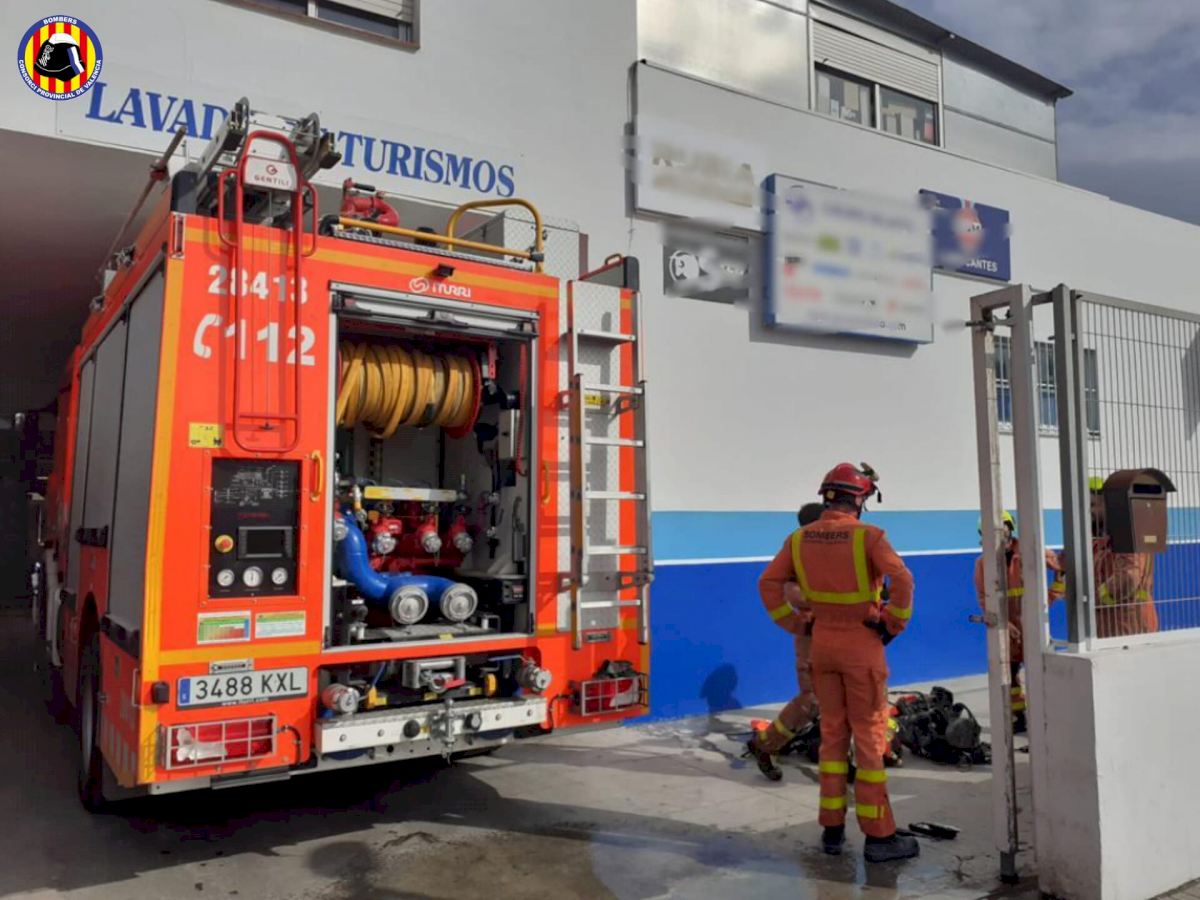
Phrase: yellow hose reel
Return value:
(386, 387)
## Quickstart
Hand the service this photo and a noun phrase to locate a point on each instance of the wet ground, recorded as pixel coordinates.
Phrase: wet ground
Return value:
(667, 810)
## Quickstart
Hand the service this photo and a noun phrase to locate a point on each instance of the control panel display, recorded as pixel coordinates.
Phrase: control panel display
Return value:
(255, 509)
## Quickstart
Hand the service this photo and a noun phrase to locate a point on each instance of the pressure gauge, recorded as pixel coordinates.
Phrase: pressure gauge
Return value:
(252, 577)
(225, 578)
(279, 575)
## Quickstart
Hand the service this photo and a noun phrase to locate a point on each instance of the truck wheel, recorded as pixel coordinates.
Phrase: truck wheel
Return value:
(91, 763)
(59, 704)
(37, 593)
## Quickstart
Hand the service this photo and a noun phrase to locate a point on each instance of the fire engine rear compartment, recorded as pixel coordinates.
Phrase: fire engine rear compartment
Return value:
(432, 523)
(349, 577)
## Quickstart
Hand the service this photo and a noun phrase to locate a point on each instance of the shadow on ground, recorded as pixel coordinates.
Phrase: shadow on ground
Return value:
(545, 819)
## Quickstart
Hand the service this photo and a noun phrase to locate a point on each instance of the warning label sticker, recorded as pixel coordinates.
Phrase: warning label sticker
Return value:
(222, 628)
(204, 435)
(279, 624)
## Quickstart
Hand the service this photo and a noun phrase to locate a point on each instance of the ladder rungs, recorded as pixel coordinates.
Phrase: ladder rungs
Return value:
(615, 550)
(614, 442)
(620, 581)
(613, 495)
(610, 389)
(607, 604)
(614, 337)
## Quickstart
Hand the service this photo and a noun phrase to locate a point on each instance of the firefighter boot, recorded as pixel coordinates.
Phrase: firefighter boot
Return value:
(898, 846)
(1020, 726)
(766, 762)
(833, 838)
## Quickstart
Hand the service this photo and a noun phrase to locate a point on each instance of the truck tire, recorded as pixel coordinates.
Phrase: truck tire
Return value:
(91, 763)
(37, 594)
(59, 704)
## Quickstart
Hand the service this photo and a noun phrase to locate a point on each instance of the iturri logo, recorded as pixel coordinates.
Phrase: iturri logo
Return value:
(59, 57)
(439, 288)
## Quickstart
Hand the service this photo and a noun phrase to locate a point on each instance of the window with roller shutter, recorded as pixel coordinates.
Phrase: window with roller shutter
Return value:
(839, 49)
(905, 87)
(394, 20)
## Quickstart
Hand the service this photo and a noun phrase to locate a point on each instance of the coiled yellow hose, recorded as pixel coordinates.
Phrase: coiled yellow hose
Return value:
(386, 386)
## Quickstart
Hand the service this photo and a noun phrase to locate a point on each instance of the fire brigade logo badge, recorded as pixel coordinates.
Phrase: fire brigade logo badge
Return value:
(59, 57)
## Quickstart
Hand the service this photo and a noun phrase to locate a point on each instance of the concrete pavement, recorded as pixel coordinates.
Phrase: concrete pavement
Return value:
(666, 810)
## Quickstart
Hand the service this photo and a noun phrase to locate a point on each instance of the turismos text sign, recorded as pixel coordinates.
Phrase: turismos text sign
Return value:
(134, 115)
(969, 237)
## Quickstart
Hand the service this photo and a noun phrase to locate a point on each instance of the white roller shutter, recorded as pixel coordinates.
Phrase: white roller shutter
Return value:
(856, 55)
(397, 9)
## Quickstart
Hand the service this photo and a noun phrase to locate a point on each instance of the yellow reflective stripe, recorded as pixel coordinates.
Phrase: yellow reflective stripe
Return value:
(900, 612)
(868, 810)
(780, 612)
(801, 575)
(833, 767)
(1107, 599)
(862, 575)
(1018, 706)
(833, 803)
(834, 597)
(864, 594)
(871, 776)
(779, 726)
(1016, 592)
(1017, 691)
(1059, 586)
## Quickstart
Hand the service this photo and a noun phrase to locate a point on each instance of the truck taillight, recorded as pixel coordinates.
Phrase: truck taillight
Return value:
(604, 695)
(206, 743)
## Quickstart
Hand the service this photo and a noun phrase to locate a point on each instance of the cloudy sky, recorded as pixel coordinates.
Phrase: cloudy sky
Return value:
(1132, 128)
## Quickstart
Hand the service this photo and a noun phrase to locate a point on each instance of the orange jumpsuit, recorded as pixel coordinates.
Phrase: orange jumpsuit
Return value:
(1015, 580)
(840, 563)
(793, 616)
(1124, 591)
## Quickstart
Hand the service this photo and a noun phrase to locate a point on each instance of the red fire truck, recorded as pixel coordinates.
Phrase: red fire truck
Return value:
(330, 491)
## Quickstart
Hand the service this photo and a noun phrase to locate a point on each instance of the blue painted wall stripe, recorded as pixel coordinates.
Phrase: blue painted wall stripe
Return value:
(680, 535)
(714, 648)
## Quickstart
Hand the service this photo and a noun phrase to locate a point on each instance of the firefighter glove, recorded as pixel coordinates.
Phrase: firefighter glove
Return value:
(881, 629)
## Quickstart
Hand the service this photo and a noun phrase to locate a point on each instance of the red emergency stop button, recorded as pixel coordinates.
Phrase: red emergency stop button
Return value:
(223, 543)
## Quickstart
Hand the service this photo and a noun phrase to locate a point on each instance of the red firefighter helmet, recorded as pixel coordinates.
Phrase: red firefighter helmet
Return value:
(848, 480)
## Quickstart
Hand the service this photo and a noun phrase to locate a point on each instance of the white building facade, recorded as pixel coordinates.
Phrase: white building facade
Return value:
(568, 104)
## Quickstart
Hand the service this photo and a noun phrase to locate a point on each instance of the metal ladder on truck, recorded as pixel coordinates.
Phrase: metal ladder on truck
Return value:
(611, 557)
(260, 164)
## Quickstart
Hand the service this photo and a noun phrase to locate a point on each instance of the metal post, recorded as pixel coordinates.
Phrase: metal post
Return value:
(1072, 447)
(1034, 614)
(1004, 785)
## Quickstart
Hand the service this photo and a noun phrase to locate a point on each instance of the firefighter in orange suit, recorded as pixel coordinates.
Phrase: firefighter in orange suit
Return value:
(1124, 581)
(840, 563)
(1014, 579)
(795, 617)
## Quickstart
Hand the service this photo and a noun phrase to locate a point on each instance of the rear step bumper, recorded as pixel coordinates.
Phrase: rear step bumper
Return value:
(444, 723)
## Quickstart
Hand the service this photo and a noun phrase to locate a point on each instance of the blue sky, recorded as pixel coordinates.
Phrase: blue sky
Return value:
(1132, 129)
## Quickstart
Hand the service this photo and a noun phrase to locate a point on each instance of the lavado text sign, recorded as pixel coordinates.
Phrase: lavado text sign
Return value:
(140, 112)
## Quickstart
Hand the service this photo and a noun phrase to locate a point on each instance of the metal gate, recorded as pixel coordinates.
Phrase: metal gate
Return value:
(1082, 386)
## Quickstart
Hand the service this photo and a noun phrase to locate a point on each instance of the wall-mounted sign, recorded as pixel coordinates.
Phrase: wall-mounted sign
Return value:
(138, 110)
(680, 171)
(702, 264)
(842, 262)
(969, 237)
